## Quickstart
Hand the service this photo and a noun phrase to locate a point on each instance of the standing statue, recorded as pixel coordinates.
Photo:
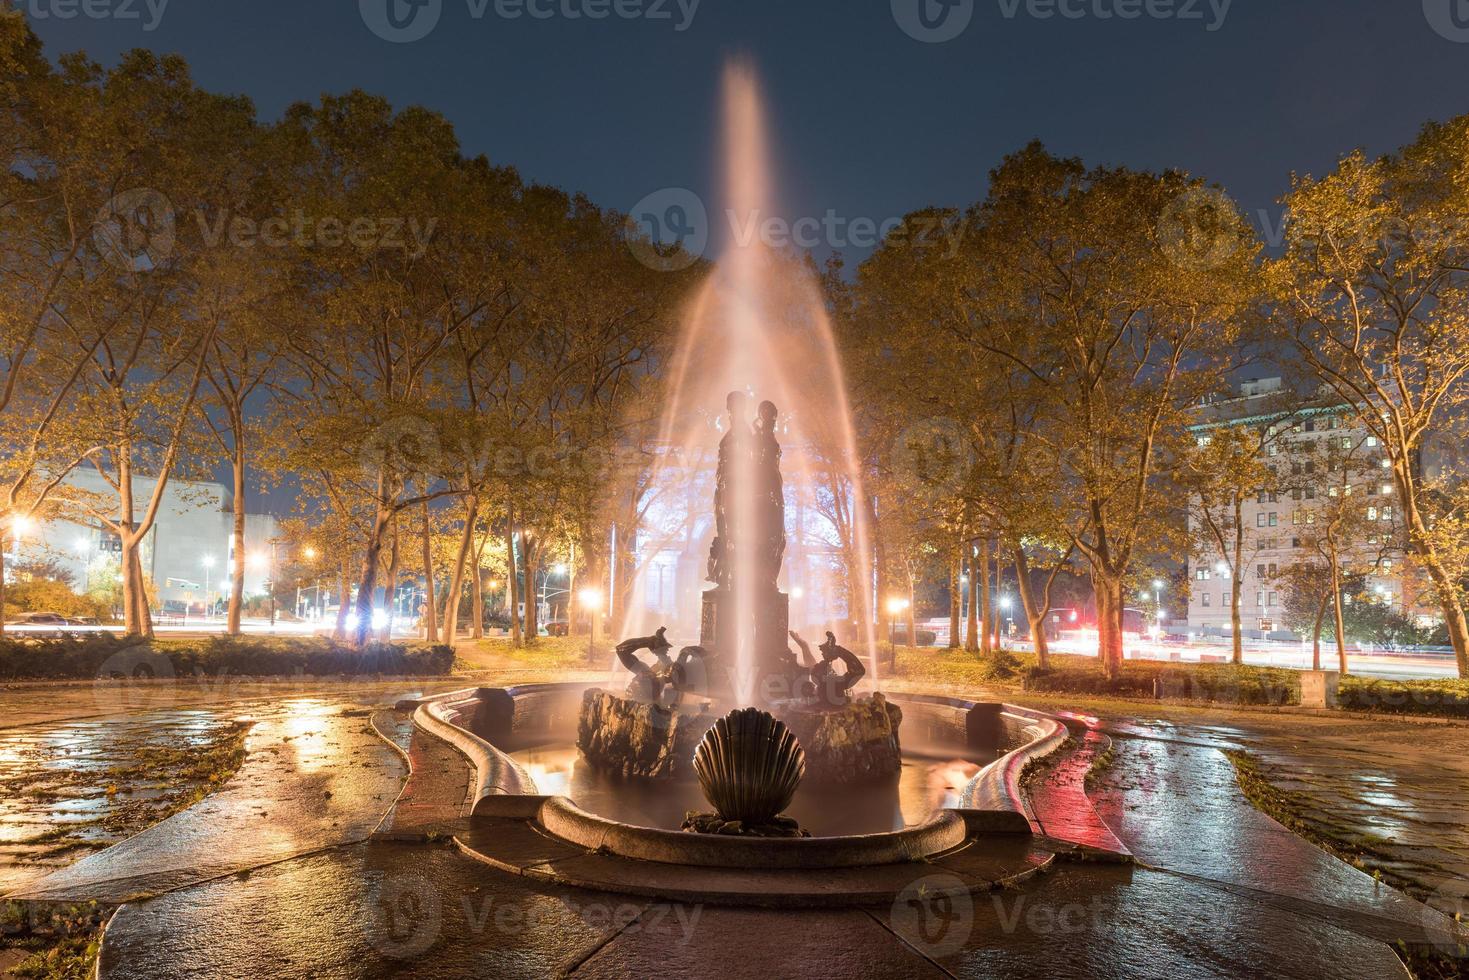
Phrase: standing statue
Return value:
(734, 454)
(769, 534)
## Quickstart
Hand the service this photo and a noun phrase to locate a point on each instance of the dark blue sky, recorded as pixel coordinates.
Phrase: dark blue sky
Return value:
(868, 121)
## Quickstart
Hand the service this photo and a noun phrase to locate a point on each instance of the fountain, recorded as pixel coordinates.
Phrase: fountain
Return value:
(744, 653)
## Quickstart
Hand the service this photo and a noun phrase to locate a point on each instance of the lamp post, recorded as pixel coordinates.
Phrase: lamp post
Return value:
(1005, 603)
(591, 601)
(1158, 603)
(896, 607)
(208, 562)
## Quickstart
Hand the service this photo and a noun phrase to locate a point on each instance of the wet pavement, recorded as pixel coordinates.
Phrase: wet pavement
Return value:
(275, 876)
(69, 789)
(316, 776)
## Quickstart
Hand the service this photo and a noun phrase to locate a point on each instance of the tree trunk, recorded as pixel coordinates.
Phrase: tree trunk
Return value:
(367, 583)
(430, 601)
(956, 598)
(237, 536)
(1316, 633)
(986, 601)
(532, 605)
(1453, 611)
(512, 578)
(1035, 616)
(971, 636)
(1341, 625)
(456, 578)
(339, 634)
(390, 589)
(1108, 590)
(477, 628)
(140, 585)
(1236, 581)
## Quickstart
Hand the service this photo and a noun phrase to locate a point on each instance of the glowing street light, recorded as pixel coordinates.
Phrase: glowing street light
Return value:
(798, 593)
(896, 607)
(591, 600)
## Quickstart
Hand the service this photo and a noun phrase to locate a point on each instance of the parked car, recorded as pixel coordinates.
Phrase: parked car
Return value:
(558, 628)
(42, 621)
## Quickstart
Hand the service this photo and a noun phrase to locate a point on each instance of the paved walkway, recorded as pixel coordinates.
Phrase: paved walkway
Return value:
(272, 876)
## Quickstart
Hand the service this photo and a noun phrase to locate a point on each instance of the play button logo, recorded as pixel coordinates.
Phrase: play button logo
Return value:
(401, 21)
(933, 21)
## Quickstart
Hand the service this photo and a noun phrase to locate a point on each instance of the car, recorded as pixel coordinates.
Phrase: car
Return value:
(558, 628)
(40, 619)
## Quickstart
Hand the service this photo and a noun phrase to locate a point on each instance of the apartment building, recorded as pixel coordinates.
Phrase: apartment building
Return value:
(1315, 454)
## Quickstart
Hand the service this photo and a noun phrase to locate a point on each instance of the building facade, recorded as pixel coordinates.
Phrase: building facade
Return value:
(187, 554)
(1317, 457)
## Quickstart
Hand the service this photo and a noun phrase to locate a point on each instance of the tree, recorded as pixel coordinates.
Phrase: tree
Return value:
(1227, 466)
(1373, 294)
(1099, 308)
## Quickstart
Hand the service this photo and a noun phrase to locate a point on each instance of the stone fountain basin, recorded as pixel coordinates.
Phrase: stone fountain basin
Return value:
(486, 724)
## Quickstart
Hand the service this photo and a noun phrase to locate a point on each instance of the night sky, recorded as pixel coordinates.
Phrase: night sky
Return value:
(868, 121)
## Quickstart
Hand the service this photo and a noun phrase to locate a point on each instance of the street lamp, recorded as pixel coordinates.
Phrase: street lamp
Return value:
(896, 607)
(1005, 603)
(1158, 602)
(591, 601)
(208, 562)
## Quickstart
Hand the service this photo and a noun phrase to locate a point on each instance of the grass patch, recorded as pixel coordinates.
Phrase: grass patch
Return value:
(548, 654)
(60, 942)
(178, 776)
(1223, 683)
(107, 655)
(1435, 698)
(1293, 810)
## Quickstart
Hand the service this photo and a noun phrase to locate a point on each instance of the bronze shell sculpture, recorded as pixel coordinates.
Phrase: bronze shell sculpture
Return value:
(749, 765)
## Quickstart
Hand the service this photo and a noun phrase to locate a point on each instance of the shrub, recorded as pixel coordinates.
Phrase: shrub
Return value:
(105, 654)
(1441, 698)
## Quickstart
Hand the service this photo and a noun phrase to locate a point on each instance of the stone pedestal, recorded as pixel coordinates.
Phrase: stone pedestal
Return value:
(632, 738)
(719, 626)
(850, 744)
(1319, 688)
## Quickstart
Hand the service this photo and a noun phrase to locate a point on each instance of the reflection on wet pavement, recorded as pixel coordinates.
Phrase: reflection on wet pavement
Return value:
(71, 788)
(316, 774)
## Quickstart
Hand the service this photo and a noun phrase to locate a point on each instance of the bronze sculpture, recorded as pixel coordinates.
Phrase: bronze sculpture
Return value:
(648, 682)
(829, 687)
(734, 452)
